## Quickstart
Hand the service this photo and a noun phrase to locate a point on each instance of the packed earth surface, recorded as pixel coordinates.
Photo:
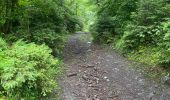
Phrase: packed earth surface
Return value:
(94, 72)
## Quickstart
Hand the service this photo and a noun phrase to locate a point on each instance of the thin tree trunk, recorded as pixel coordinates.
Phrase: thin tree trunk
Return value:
(9, 11)
(6, 26)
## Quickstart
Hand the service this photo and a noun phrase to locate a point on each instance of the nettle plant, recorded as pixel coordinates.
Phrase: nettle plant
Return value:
(27, 70)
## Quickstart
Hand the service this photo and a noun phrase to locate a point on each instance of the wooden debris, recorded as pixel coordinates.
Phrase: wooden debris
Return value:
(72, 74)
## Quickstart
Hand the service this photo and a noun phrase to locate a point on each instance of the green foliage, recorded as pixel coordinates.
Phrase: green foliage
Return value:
(27, 70)
(148, 58)
(139, 28)
(43, 36)
(147, 55)
(38, 21)
(113, 16)
(3, 44)
(165, 45)
(106, 37)
(84, 10)
(73, 24)
(51, 38)
(105, 24)
(136, 36)
(148, 12)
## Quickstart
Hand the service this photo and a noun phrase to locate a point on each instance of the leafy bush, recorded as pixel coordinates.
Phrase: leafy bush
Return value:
(165, 58)
(49, 37)
(105, 24)
(3, 44)
(165, 45)
(42, 36)
(136, 36)
(27, 70)
(73, 24)
(104, 37)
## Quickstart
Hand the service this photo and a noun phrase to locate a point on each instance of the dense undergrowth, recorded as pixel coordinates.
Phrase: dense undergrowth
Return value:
(27, 70)
(32, 35)
(140, 29)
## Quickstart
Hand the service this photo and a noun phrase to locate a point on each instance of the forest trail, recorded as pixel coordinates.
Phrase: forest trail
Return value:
(97, 73)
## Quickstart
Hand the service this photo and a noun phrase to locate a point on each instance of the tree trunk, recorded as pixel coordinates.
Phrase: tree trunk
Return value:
(6, 27)
(9, 9)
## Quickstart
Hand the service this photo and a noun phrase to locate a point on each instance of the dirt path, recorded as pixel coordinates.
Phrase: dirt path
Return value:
(96, 73)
